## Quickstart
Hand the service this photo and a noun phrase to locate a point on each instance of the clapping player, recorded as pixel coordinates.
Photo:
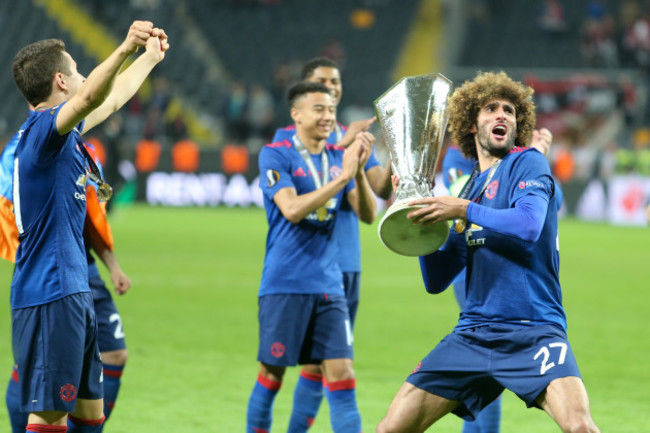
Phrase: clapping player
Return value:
(303, 312)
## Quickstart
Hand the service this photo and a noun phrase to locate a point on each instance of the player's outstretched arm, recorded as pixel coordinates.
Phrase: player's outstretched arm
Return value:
(94, 91)
(129, 81)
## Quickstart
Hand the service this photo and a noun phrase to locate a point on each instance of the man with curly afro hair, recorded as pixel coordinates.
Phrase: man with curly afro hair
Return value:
(512, 332)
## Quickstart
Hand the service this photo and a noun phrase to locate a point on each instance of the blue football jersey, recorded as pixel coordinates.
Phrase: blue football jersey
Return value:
(346, 231)
(49, 196)
(510, 280)
(7, 166)
(455, 166)
(300, 258)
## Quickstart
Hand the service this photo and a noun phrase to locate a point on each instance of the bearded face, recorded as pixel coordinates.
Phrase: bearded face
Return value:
(496, 127)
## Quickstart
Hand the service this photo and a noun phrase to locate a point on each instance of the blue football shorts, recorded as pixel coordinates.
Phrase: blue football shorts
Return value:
(351, 289)
(303, 329)
(55, 347)
(474, 366)
(110, 333)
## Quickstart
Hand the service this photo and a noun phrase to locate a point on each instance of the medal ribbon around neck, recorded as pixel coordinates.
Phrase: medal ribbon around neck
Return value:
(306, 156)
(321, 212)
(460, 224)
(104, 190)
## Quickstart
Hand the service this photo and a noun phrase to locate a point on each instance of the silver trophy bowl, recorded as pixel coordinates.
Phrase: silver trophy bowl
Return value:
(413, 115)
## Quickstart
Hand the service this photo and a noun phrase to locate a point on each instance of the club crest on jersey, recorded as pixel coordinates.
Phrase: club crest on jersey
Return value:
(491, 189)
(272, 177)
(277, 349)
(68, 392)
(335, 171)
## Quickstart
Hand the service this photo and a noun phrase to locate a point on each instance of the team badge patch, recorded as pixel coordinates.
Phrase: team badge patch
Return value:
(68, 392)
(272, 177)
(277, 349)
(491, 189)
(530, 183)
(335, 171)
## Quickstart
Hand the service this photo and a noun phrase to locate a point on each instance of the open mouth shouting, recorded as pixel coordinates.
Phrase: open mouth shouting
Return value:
(500, 131)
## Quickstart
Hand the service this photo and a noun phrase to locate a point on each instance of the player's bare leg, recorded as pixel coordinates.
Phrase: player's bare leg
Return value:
(413, 410)
(51, 417)
(338, 369)
(566, 401)
(272, 372)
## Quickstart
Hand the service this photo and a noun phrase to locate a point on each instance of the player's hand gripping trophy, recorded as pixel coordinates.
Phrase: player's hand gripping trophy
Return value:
(413, 115)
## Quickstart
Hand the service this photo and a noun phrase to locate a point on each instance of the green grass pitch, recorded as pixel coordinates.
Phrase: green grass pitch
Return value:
(191, 324)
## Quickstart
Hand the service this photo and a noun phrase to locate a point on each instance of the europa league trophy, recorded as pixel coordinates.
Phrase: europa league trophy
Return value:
(414, 118)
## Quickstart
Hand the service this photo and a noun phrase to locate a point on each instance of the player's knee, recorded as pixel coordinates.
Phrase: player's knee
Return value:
(311, 369)
(580, 424)
(387, 425)
(338, 369)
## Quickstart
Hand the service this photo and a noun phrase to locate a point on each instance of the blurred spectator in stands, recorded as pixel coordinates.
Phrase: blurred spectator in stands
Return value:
(607, 161)
(234, 111)
(161, 95)
(636, 40)
(282, 80)
(134, 119)
(627, 101)
(155, 115)
(584, 155)
(562, 160)
(628, 13)
(550, 17)
(598, 37)
(176, 129)
(153, 124)
(112, 136)
(260, 112)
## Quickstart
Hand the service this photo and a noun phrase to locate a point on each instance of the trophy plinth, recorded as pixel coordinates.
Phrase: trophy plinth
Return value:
(414, 118)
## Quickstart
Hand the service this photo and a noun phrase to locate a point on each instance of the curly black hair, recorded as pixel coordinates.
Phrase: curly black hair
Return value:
(467, 100)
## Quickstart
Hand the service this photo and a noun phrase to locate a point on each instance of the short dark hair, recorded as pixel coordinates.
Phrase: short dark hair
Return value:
(304, 87)
(34, 67)
(317, 62)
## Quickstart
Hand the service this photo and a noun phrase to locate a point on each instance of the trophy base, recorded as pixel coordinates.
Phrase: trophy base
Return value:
(401, 236)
